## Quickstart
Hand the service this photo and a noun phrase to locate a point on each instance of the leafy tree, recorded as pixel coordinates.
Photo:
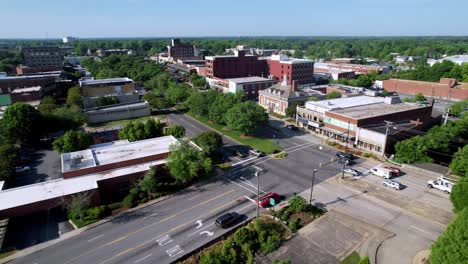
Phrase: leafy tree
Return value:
(155, 101)
(199, 102)
(177, 93)
(74, 97)
(459, 107)
(419, 97)
(135, 131)
(364, 81)
(106, 100)
(291, 110)
(459, 195)
(187, 163)
(384, 93)
(199, 83)
(8, 161)
(20, 124)
(73, 141)
(297, 204)
(221, 104)
(209, 141)
(459, 164)
(78, 205)
(150, 182)
(246, 117)
(176, 131)
(65, 118)
(364, 260)
(47, 105)
(451, 246)
(333, 95)
(412, 150)
(246, 236)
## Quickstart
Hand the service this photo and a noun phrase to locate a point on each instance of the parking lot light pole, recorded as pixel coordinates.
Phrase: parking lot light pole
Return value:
(258, 193)
(342, 170)
(312, 186)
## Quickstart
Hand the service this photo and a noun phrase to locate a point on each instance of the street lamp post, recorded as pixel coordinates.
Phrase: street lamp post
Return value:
(258, 193)
(312, 186)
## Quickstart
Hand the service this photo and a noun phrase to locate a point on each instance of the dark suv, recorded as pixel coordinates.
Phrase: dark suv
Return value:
(226, 220)
(344, 155)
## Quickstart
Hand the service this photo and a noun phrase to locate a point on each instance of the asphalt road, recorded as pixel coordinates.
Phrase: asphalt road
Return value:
(165, 231)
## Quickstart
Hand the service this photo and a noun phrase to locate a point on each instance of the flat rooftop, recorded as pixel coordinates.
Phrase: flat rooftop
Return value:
(288, 60)
(27, 90)
(367, 111)
(116, 152)
(344, 103)
(35, 76)
(249, 79)
(124, 106)
(105, 81)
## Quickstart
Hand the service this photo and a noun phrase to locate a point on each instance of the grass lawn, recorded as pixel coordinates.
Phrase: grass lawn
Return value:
(262, 144)
(85, 222)
(119, 122)
(353, 258)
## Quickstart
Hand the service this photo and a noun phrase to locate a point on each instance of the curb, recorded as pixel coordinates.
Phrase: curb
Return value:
(376, 251)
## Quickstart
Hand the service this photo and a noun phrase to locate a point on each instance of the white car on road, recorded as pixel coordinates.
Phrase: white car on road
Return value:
(352, 171)
(444, 186)
(392, 184)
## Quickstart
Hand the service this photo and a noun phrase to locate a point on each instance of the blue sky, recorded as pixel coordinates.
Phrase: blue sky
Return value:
(158, 18)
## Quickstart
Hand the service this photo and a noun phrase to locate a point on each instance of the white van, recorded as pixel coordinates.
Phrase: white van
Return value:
(382, 172)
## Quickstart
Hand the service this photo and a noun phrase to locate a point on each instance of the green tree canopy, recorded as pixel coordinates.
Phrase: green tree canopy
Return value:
(459, 164)
(8, 160)
(47, 105)
(452, 246)
(459, 107)
(419, 97)
(155, 101)
(459, 195)
(20, 124)
(177, 131)
(187, 163)
(209, 141)
(221, 104)
(199, 102)
(73, 141)
(246, 117)
(134, 131)
(333, 95)
(297, 203)
(74, 97)
(177, 93)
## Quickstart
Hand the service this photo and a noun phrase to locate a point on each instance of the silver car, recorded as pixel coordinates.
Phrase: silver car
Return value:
(352, 172)
(392, 184)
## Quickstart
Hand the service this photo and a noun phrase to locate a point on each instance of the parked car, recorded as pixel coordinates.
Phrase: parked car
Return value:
(441, 184)
(226, 220)
(345, 155)
(396, 171)
(22, 169)
(292, 127)
(352, 172)
(265, 199)
(240, 154)
(382, 172)
(344, 160)
(256, 152)
(392, 184)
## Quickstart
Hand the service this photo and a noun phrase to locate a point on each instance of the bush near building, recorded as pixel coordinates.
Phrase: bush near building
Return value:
(298, 213)
(73, 141)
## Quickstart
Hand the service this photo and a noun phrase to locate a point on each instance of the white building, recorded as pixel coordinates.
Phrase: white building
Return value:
(457, 59)
(68, 40)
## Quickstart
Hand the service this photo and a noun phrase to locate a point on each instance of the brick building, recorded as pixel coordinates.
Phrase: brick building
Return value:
(42, 56)
(237, 66)
(180, 50)
(124, 89)
(446, 88)
(300, 71)
(354, 119)
(249, 85)
(9, 83)
(357, 68)
(104, 171)
(29, 94)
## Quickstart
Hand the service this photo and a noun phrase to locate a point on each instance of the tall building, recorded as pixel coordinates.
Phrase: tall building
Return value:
(180, 50)
(301, 71)
(237, 66)
(42, 56)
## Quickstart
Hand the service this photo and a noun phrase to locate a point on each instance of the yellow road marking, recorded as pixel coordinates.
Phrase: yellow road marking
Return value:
(167, 232)
(143, 228)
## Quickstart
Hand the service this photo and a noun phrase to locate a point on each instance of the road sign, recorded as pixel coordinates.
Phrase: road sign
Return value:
(272, 201)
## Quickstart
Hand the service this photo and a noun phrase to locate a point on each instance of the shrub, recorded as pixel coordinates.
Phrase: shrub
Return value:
(114, 206)
(364, 260)
(245, 236)
(271, 242)
(130, 200)
(367, 155)
(94, 213)
(297, 204)
(295, 224)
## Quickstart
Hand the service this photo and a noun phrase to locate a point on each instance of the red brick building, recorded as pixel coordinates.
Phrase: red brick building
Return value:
(237, 66)
(298, 70)
(446, 88)
(180, 50)
(9, 83)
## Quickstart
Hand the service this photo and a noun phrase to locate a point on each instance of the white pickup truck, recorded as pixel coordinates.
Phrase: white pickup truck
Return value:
(441, 184)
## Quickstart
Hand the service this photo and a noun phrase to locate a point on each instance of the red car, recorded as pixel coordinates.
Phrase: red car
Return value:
(395, 171)
(265, 199)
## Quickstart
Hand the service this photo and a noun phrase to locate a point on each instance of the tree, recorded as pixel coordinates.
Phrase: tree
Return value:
(459, 195)
(155, 101)
(246, 117)
(135, 131)
(384, 93)
(459, 164)
(8, 161)
(297, 204)
(176, 131)
(150, 182)
(20, 124)
(412, 150)
(199, 83)
(459, 107)
(419, 97)
(221, 104)
(364, 260)
(177, 93)
(47, 105)
(451, 247)
(199, 102)
(74, 97)
(209, 141)
(78, 205)
(186, 163)
(73, 141)
(106, 100)
(333, 95)
(291, 110)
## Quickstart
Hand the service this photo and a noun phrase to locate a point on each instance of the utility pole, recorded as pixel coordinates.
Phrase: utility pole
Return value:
(347, 139)
(446, 116)
(258, 193)
(312, 186)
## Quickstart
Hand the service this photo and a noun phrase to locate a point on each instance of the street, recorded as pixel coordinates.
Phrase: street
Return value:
(166, 231)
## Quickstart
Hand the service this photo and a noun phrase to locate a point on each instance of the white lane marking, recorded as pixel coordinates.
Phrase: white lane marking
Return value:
(251, 184)
(191, 198)
(196, 232)
(151, 215)
(199, 224)
(243, 161)
(92, 239)
(241, 186)
(421, 230)
(164, 240)
(250, 199)
(174, 251)
(208, 233)
(143, 258)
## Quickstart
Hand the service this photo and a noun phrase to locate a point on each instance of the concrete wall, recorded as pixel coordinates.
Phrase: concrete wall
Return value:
(90, 102)
(103, 90)
(118, 114)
